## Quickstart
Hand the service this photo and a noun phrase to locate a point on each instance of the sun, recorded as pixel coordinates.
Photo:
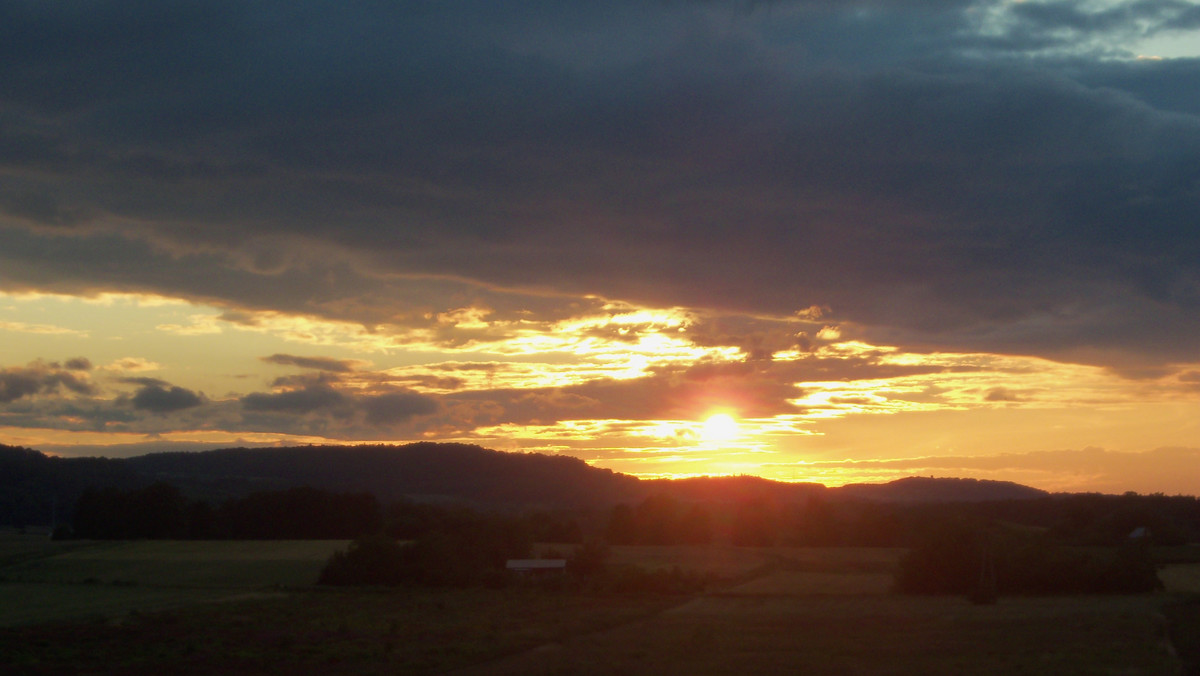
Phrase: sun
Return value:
(720, 427)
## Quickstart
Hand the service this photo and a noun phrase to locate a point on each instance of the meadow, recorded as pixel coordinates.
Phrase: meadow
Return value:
(250, 608)
(47, 581)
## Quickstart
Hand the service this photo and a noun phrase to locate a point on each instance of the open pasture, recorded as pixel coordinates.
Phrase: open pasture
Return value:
(181, 563)
(1181, 578)
(24, 603)
(43, 581)
(868, 635)
(805, 571)
(326, 632)
(715, 561)
(829, 611)
(819, 611)
(809, 583)
(17, 547)
(841, 559)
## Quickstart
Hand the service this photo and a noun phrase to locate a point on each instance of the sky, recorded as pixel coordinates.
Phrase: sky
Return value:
(809, 240)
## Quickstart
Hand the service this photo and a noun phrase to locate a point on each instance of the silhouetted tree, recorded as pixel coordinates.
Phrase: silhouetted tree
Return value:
(622, 527)
(155, 512)
(755, 524)
(467, 549)
(696, 526)
(300, 514)
(964, 558)
(373, 560)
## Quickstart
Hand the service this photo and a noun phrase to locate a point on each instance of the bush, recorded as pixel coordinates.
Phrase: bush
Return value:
(981, 562)
(376, 560)
(471, 551)
(589, 559)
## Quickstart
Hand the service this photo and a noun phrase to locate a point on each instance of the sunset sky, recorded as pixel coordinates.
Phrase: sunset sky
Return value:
(885, 238)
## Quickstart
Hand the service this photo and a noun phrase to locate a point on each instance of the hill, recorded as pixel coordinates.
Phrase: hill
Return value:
(929, 489)
(34, 487)
(422, 471)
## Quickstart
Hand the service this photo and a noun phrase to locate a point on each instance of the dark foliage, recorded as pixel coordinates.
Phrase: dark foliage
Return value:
(155, 512)
(589, 559)
(300, 514)
(160, 511)
(468, 549)
(555, 529)
(1183, 625)
(979, 561)
(375, 560)
(660, 519)
(39, 490)
(755, 524)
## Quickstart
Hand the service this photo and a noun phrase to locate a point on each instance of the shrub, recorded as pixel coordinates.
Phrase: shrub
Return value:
(471, 552)
(589, 559)
(376, 560)
(981, 562)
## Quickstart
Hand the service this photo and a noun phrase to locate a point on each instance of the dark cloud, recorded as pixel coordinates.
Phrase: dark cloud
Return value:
(1002, 394)
(44, 378)
(395, 407)
(317, 363)
(325, 408)
(938, 179)
(144, 381)
(305, 400)
(15, 384)
(157, 398)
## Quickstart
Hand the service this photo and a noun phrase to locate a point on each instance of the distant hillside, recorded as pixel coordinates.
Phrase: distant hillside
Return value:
(735, 489)
(34, 487)
(929, 489)
(423, 471)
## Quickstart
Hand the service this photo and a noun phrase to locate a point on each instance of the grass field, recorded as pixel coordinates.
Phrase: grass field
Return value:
(867, 635)
(172, 563)
(830, 611)
(1182, 578)
(43, 581)
(246, 608)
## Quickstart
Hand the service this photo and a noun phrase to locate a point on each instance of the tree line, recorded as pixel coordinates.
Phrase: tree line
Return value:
(1076, 519)
(162, 511)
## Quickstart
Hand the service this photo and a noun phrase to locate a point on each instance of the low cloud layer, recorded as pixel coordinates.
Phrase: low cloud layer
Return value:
(45, 378)
(159, 399)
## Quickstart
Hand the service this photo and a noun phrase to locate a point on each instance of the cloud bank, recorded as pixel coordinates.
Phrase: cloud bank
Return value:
(956, 174)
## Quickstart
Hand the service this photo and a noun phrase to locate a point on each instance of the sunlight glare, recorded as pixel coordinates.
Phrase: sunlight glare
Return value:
(720, 427)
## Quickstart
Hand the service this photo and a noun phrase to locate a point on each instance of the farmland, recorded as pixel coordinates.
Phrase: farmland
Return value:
(47, 581)
(249, 607)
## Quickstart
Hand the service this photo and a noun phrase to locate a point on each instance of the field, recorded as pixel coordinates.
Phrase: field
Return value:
(42, 581)
(247, 608)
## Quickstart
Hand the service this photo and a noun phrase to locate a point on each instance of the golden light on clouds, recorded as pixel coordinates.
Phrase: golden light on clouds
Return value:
(524, 385)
